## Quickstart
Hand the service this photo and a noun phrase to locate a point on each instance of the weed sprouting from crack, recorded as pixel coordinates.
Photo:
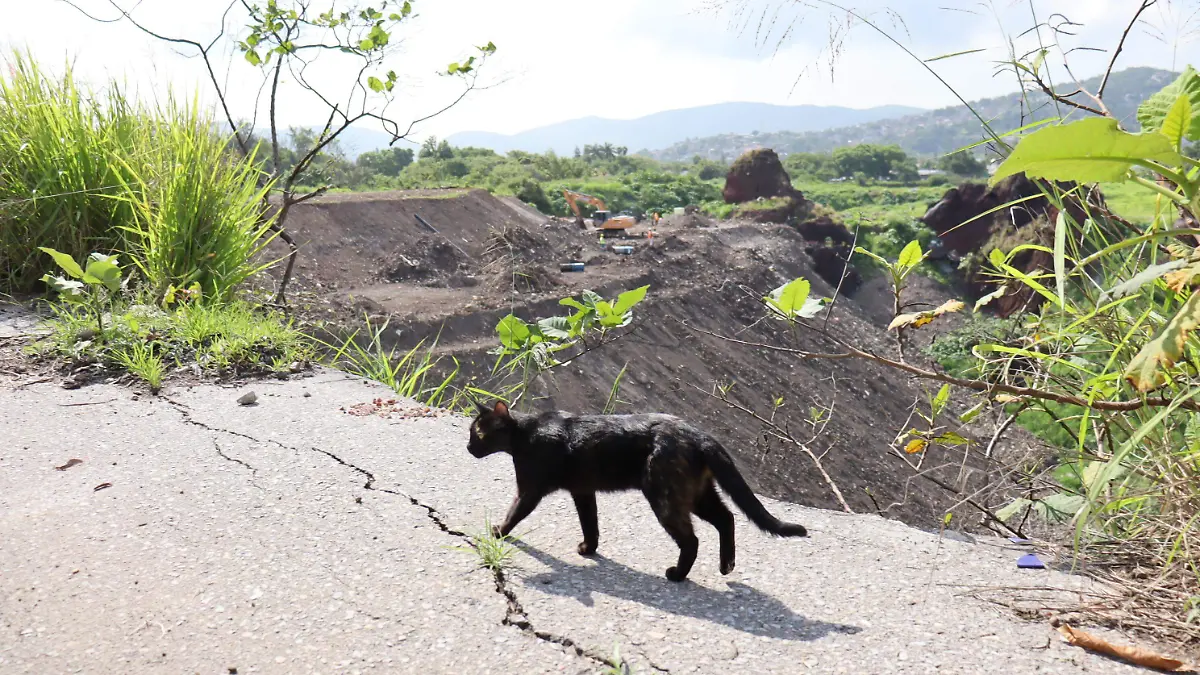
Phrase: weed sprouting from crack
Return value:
(495, 551)
(514, 614)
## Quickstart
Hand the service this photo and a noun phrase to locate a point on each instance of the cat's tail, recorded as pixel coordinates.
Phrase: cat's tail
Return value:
(731, 481)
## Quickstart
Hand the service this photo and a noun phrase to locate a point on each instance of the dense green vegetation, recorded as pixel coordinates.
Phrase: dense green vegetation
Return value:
(85, 173)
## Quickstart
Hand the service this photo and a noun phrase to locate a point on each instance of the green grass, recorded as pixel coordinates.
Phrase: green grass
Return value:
(495, 552)
(229, 340)
(90, 171)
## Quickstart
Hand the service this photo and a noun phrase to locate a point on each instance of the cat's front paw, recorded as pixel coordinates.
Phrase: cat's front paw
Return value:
(587, 548)
(726, 566)
(673, 574)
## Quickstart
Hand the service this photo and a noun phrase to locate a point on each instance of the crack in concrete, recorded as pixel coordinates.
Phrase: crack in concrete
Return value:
(514, 616)
(235, 460)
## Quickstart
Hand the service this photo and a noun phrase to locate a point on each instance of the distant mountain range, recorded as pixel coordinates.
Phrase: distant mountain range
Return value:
(935, 132)
(672, 126)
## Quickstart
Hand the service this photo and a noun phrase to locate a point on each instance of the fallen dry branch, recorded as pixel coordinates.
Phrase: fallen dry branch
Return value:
(1135, 655)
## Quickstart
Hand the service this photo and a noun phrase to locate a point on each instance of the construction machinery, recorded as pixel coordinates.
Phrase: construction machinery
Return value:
(601, 218)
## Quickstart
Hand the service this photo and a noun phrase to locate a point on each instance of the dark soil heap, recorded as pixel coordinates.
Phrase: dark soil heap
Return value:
(759, 175)
(956, 220)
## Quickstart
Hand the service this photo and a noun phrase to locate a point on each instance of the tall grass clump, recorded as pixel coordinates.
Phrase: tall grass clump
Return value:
(197, 207)
(83, 171)
(57, 178)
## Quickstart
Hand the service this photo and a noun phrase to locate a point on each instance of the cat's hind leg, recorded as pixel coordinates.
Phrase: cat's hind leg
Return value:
(672, 504)
(709, 507)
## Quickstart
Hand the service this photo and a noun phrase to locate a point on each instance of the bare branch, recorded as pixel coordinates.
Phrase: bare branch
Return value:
(973, 385)
(1146, 4)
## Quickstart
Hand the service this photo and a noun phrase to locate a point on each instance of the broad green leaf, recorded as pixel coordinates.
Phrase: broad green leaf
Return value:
(911, 255)
(253, 57)
(1012, 509)
(970, 415)
(68, 289)
(792, 300)
(1088, 151)
(366, 44)
(513, 332)
(590, 298)
(997, 257)
(1060, 256)
(1152, 114)
(1145, 370)
(878, 258)
(66, 262)
(555, 327)
(375, 84)
(942, 398)
(1142, 278)
(616, 320)
(628, 299)
(572, 302)
(951, 438)
(1178, 118)
(790, 297)
(104, 269)
(604, 309)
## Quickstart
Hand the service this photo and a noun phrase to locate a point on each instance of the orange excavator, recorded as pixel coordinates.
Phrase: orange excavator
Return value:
(601, 218)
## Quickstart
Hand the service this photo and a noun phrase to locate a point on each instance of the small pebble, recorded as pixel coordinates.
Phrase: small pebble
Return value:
(248, 398)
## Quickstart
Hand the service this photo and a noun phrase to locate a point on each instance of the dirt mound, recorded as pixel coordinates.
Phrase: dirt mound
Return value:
(431, 262)
(525, 278)
(758, 174)
(963, 233)
(368, 253)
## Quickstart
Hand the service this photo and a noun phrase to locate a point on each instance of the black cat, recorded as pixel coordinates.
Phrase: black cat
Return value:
(670, 461)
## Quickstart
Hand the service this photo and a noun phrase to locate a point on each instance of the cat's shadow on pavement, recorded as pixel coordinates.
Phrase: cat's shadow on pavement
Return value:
(742, 607)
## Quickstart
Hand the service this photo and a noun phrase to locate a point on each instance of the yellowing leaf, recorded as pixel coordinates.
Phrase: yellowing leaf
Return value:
(990, 297)
(918, 319)
(915, 445)
(1181, 279)
(1145, 370)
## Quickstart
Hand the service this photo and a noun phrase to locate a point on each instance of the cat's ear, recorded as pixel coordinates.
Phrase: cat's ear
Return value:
(501, 409)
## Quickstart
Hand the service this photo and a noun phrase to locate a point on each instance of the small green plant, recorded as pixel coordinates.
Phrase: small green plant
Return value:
(141, 360)
(413, 374)
(532, 348)
(88, 287)
(617, 665)
(496, 552)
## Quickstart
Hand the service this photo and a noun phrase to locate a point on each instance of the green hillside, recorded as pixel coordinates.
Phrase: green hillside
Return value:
(936, 132)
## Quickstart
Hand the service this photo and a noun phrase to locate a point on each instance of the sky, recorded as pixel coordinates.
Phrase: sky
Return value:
(559, 60)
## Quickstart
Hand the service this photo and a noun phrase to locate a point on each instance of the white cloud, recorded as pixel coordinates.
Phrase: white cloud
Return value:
(610, 58)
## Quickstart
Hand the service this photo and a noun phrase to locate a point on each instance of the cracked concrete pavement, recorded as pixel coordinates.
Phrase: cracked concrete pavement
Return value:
(290, 537)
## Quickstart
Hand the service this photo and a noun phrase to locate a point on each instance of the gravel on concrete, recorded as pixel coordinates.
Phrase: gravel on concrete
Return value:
(288, 536)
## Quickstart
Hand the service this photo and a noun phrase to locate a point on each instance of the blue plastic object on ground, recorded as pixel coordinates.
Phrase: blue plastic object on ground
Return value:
(1030, 561)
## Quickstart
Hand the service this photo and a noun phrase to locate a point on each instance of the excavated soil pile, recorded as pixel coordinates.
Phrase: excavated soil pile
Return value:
(956, 219)
(759, 175)
(705, 282)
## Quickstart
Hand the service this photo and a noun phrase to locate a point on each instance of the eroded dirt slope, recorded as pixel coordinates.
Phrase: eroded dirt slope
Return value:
(705, 282)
